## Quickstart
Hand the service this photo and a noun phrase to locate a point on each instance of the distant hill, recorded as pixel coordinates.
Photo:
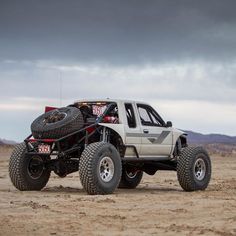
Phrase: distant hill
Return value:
(7, 142)
(198, 138)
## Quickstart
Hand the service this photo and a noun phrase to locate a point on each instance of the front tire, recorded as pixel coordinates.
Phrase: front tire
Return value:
(27, 172)
(194, 169)
(130, 178)
(100, 168)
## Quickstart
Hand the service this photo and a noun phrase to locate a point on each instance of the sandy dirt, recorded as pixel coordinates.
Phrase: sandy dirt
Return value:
(157, 207)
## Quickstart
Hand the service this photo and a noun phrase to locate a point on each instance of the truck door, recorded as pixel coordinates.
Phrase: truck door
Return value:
(156, 138)
(132, 131)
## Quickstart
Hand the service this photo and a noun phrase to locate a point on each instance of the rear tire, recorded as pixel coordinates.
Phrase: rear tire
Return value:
(194, 169)
(27, 173)
(100, 168)
(130, 178)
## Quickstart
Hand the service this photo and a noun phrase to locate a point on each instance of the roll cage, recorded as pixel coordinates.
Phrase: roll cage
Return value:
(81, 136)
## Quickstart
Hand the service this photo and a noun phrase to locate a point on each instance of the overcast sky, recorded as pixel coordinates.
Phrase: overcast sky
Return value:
(180, 56)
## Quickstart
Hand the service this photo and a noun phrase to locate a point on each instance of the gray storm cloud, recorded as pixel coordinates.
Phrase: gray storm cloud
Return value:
(118, 32)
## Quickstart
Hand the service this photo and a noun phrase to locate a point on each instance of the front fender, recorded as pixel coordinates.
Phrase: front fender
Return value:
(179, 138)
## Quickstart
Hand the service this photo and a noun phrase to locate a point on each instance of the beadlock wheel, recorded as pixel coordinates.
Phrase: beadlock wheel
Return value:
(57, 123)
(100, 168)
(106, 168)
(28, 173)
(35, 167)
(199, 169)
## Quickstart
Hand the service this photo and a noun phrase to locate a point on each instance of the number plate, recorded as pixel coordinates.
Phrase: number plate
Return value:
(44, 148)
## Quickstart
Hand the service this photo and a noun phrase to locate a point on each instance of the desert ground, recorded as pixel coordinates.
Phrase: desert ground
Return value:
(157, 207)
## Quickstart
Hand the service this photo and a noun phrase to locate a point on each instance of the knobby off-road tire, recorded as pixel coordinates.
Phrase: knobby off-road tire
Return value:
(70, 121)
(23, 173)
(194, 169)
(100, 168)
(130, 178)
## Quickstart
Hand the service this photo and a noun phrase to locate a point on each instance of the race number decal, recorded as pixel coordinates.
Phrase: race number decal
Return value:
(98, 110)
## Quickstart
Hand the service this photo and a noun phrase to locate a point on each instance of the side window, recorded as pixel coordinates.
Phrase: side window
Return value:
(155, 121)
(149, 117)
(130, 115)
(144, 116)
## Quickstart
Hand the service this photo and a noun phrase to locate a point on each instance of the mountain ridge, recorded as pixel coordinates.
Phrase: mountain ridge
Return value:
(199, 138)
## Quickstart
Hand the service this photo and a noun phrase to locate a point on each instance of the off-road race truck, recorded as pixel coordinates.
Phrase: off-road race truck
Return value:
(111, 143)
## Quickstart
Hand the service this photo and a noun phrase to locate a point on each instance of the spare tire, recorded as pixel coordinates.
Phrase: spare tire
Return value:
(57, 123)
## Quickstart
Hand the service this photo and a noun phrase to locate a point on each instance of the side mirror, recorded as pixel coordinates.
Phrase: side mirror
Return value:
(168, 124)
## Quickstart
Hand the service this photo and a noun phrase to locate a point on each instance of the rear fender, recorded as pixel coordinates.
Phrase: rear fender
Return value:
(117, 128)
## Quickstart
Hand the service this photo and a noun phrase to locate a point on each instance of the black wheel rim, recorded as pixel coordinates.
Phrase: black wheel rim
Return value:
(35, 167)
(55, 117)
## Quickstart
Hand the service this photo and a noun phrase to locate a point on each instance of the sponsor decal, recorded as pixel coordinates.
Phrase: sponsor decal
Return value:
(153, 138)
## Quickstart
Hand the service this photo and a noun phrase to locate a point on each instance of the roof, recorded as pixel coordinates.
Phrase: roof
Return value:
(109, 100)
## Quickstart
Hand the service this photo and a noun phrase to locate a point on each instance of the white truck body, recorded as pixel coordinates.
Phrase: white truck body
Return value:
(152, 140)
